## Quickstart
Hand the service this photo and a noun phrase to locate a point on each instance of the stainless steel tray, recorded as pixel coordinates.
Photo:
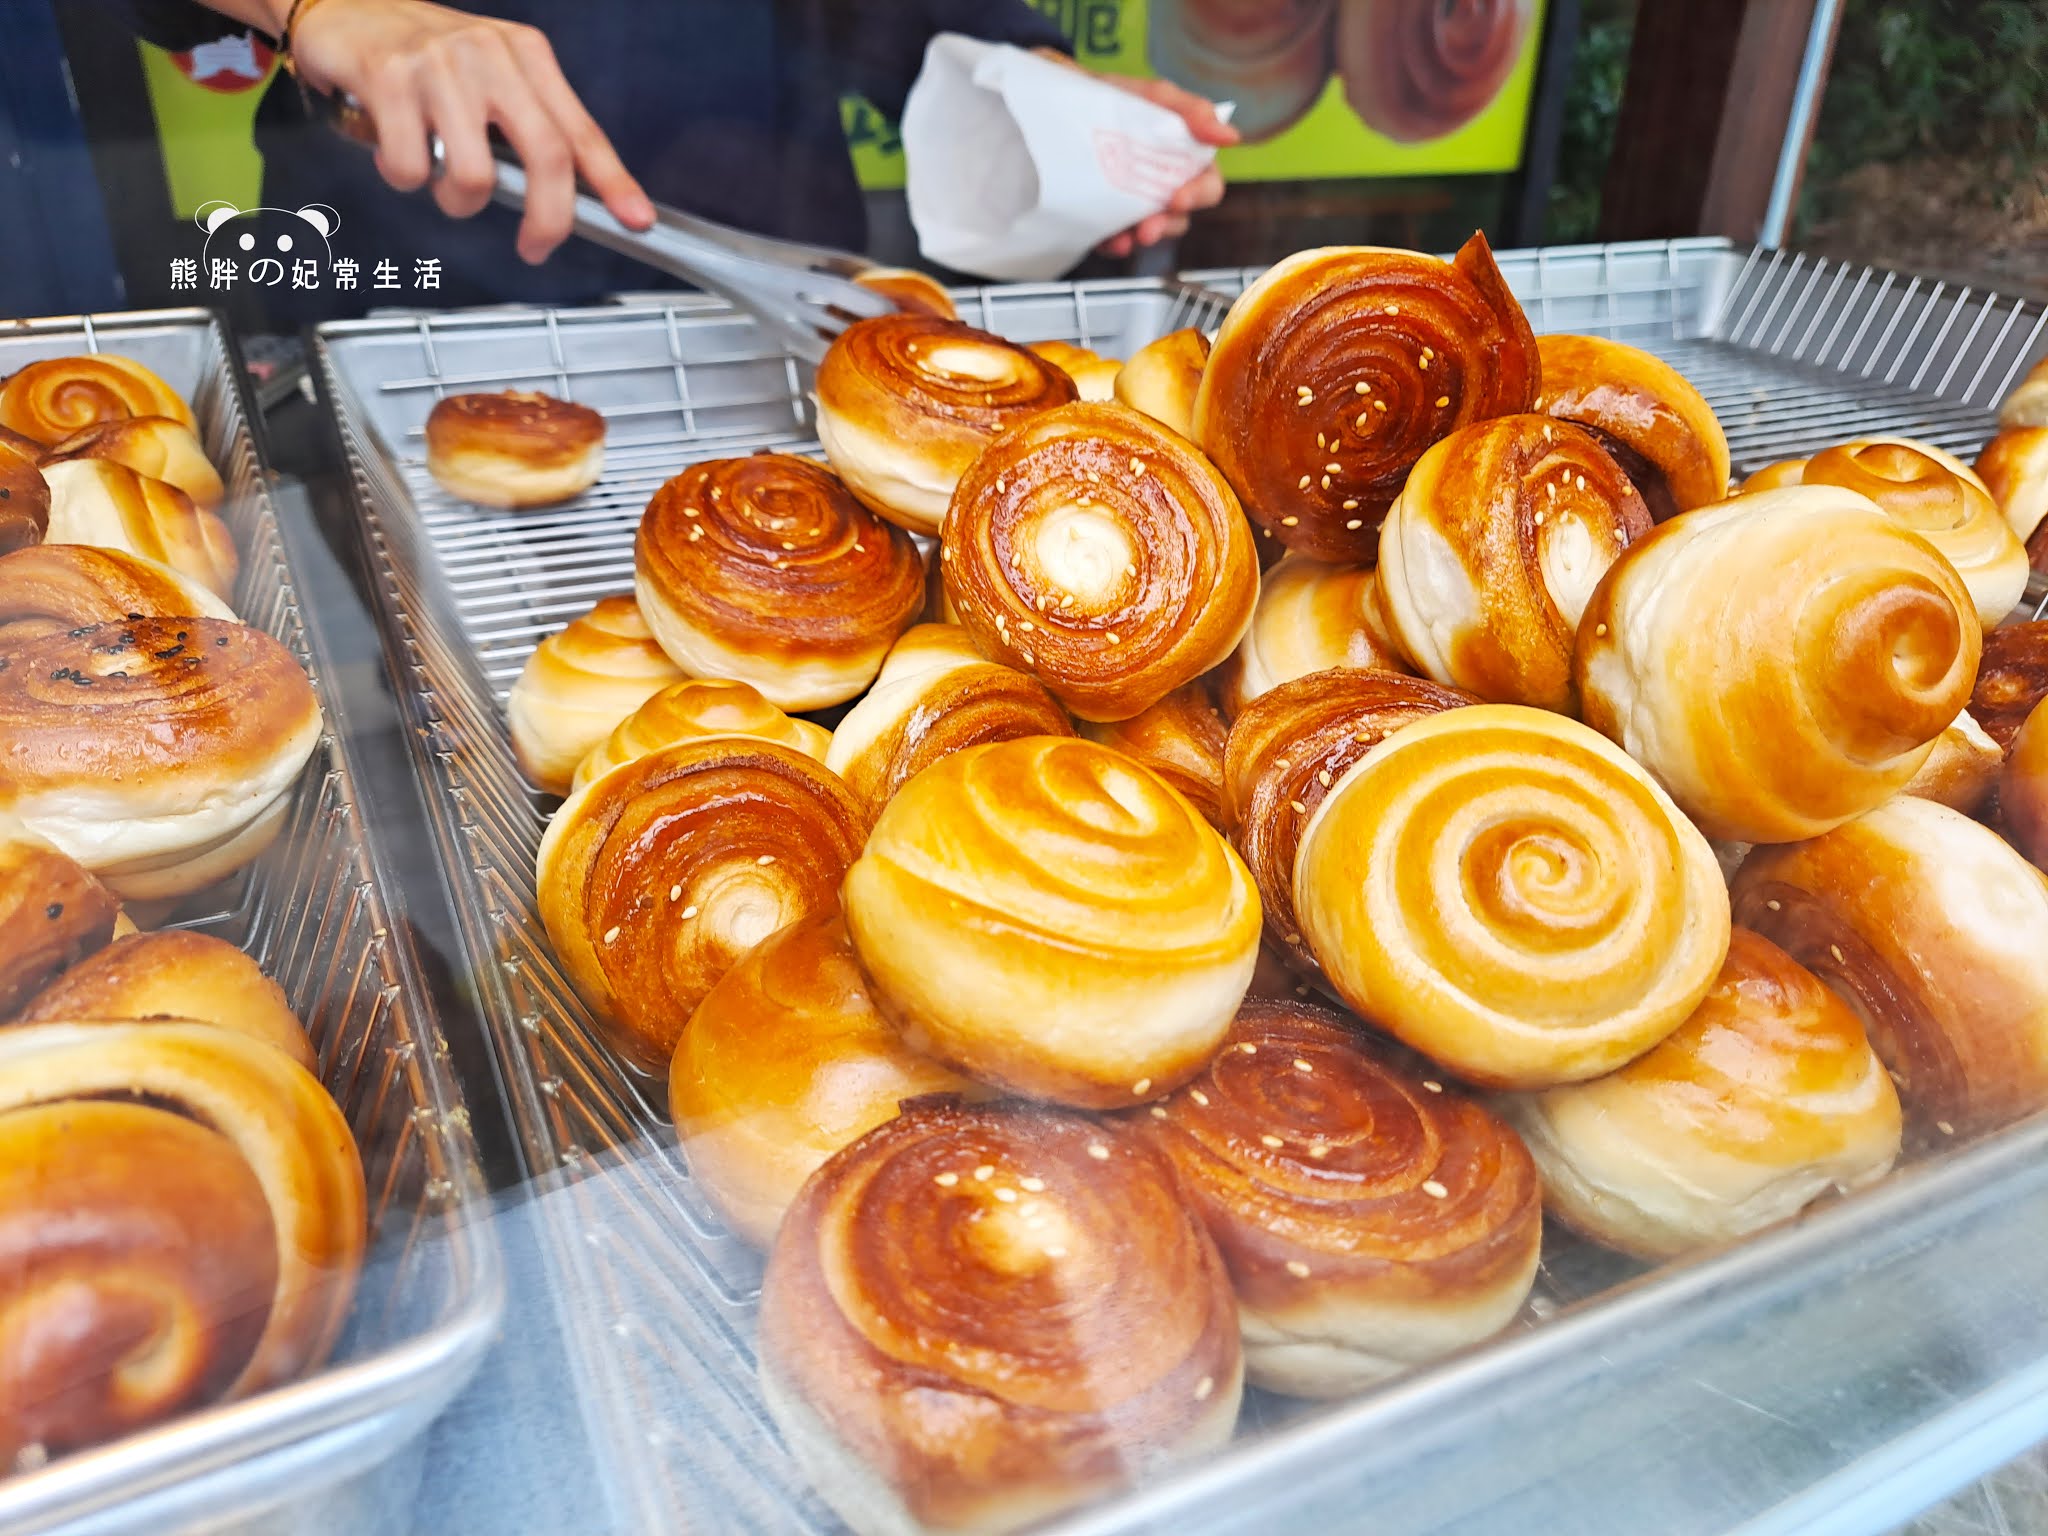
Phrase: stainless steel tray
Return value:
(317, 915)
(1882, 1351)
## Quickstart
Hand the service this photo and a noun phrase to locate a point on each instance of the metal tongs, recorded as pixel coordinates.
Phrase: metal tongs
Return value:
(805, 295)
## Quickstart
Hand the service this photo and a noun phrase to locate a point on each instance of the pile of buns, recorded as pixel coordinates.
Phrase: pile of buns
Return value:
(1624, 825)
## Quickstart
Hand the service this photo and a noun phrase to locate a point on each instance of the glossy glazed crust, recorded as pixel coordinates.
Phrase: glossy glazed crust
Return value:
(514, 448)
(1361, 358)
(48, 401)
(1163, 377)
(24, 493)
(1781, 662)
(2027, 405)
(1766, 1098)
(1932, 929)
(1507, 892)
(1049, 916)
(1370, 1219)
(579, 684)
(767, 570)
(998, 1311)
(1093, 374)
(97, 501)
(155, 446)
(49, 587)
(1659, 428)
(1416, 70)
(1103, 554)
(1286, 751)
(784, 1062)
(655, 880)
(52, 915)
(1181, 740)
(1962, 770)
(2011, 679)
(1490, 554)
(913, 292)
(2014, 467)
(1311, 617)
(699, 707)
(2023, 791)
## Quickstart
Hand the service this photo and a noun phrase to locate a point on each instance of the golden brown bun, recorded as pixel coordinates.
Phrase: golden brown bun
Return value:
(516, 448)
(156, 447)
(936, 694)
(1932, 930)
(136, 1295)
(907, 402)
(1163, 377)
(158, 753)
(2012, 679)
(1270, 60)
(1181, 740)
(656, 879)
(1049, 916)
(96, 501)
(2014, 468)
(47, 402)
(766, 570)
(913, 292)
(1490, 554)
(176, 975)
(1416, 70)
(1101, 553)
(52, 915)
(1093, 374)
(1776, 476)
(1659, 429)
(698, 707)
(24, 493)
(783, 1063)
(1510, 894)
(1962, 770)
(1764, 1100)
(2027, 405)
(1781, 662)
(1938, 496)
(579, 684)
(1339, 367)
(50, 587)
(2023, 791)
(976, 1316)
(1370, 1220)
(1310, 617)
(1287, 750)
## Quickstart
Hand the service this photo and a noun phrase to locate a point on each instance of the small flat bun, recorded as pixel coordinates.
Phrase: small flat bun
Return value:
(518, 448)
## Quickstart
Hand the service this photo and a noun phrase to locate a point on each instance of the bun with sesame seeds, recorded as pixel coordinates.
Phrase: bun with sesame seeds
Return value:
(1659, 429)
(49, 587)
(577, 686)
(516, 448)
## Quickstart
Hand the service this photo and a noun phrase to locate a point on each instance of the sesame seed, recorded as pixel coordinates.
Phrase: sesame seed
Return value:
(1432, 1085)
(1027, 626)
(1422, 363)
(999, 485)
(1435, 1190)
(1094, 478)
(985, 1172)
(1032, 1185)
(696, 534)
(1539, 519)
(1199, 1097)
(691, 512)
(1355, 524)
(1204, 1387)
(1297, 807)
(1295, 938)
(782, 565)
(1158, 1112)
(1581, 481)
(1141, 1087)
(1297, 1269)
(862, 548)
(1442, 401)
(1326, 482)
(1546, 434)
(765, 859)
(1773, 906)
(1137, 466)
(1115, 638)
(675, 892)
(1248, 1048)
(1599, 629)
(1332, 468)
(1098, 1151)
(1303, 394)
(611, 934)
(1429, 351)
(1836, 951)
(1289, 522)
(1319, 1150)
(688, 913)
(1379, 405)
(1393, 309)
(1361, 387)
(1302, 484)
(1323, 777)
(1359, 424)
(1550, 490)
(1302, 1066)
(1130, 569)
(1944, 1127)
(1351, 506)
(1272, 1141)
(1007, 1196)
(948, 1180)
(787, 545)
(1320, 443)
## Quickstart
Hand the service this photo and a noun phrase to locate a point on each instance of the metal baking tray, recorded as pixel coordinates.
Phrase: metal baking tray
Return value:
(1841, 1372)
(318, 914)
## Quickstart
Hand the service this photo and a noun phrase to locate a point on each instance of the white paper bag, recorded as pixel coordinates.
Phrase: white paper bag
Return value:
(1018, 166)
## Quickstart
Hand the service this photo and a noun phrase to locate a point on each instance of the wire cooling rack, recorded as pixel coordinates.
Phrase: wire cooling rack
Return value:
(1743, 1365)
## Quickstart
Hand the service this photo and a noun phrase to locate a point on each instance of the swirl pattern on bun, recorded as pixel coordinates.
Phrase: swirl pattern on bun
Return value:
(1659, 429)
(698, 707)
(51, 587)
(578, 685)
(155, 447)
(48, 401)
(2012, 679)
(97, 501)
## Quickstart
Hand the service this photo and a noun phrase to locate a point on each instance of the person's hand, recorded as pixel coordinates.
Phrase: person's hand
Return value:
(1205, 191)
(420, 68)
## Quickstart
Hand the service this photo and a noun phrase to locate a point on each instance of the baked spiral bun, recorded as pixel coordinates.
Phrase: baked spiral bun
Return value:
(1339, 367)
(912, 291)
(1093, 374)
(2027, 405)
(1932, 929)
(1492, 550)
(936, 694)
(906, 403)
(2014, 468)
(577, 687)
(155, 447)
(1163, 377)
(193, 978)
(1962, 770)
(1181, 740)
(2023, 790)
(52, 915)
(766, 570)
(1939, 497)
(1103, 554)
(1660, 430)
(48, 401)
(96, 501)
(2012, 679)
(783, 1063)
(1417, 70)
(1781, 662)
(186, 1212)
(158, 753)
(698, 707)
(978, 1315)
(51, 587)
(1764, 1100)
(1310, 617)
(1506, 891)
(1268, 57)
(1370, 1220)
(24, 493)
(1050, 917)
(515, 448)
(657, 878)
(1287, 750)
